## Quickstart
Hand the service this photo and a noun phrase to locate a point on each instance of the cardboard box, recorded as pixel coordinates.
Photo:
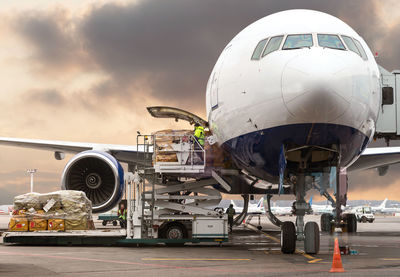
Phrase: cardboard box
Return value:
(19, 224)
(56, 225)
(37, 224)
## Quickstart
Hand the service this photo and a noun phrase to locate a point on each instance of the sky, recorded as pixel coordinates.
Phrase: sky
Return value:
(86, 71)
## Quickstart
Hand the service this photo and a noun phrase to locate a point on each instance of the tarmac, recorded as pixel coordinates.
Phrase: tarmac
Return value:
(249, 253)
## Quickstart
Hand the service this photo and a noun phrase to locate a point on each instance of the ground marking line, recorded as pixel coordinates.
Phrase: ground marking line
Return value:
(314, 261)
(390, 259)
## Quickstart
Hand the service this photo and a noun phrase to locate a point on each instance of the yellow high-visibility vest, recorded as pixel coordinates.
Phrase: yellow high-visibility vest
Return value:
(199, 135)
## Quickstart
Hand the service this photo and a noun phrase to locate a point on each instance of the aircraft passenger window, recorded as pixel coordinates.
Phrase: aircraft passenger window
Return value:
(350, 44)
(273, 45)
(330, 41)
(297, 41)
(361, 49)
(259, 48)
(387, 96)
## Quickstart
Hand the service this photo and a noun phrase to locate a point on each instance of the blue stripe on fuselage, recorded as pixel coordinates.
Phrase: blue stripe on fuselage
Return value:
(258, 152)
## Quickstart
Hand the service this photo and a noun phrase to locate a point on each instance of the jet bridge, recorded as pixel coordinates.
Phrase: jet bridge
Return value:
(388, 123)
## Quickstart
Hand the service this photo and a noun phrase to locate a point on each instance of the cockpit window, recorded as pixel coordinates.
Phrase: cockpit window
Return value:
(330, 41)
(361, 49)
(259, 48)
(273, 45)
(350, 44)
(297, 41)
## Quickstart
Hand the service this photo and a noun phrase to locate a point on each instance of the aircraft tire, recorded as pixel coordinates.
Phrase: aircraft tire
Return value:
(326, 222)
(288, 237)
(351, 222)
(311, 238)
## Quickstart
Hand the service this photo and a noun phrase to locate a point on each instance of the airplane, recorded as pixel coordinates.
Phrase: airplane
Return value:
(321, 209)
(6, 209)
(254, 209)
(315, 209)
(385, 210)
(294, 94)
(279, 210)
(380, 207)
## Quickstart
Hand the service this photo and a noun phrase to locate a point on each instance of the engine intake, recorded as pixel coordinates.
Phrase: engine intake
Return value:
(99, 175)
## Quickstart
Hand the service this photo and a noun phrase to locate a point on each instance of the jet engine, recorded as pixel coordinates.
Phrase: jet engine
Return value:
(99, 175)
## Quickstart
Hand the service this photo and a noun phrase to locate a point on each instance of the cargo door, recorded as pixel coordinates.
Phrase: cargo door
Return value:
(170, 112)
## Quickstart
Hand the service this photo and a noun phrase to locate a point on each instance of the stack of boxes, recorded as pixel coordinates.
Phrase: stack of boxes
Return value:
(164, 139)
(56, 211)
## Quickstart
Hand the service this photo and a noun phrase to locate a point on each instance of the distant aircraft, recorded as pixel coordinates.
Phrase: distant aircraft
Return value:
(6, 209)
(379, 208)
(252, 208)
(294, 94)
(385, 210)
(282, 210)
(321, 209)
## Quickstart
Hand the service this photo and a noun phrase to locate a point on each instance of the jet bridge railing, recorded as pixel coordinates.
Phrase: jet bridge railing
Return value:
(178, 153)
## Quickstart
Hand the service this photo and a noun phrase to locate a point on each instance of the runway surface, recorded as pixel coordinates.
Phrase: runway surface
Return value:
(248, 253)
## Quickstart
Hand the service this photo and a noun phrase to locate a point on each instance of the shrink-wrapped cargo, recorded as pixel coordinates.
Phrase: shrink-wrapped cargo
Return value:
(70, 206)
(18, 224)
(27, 201)
(55, 224)
(37, 224)
(78, 221)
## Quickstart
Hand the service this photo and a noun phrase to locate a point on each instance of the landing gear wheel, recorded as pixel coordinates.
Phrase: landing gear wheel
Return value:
(259, 227)
(104, 223)
(288, 237)
(326, 222)
(351, 223)
(311, 238)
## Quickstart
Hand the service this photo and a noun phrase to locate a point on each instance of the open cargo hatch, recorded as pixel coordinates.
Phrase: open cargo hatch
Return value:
(169, 112)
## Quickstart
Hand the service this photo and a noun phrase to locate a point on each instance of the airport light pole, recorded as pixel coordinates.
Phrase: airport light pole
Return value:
(31, 172)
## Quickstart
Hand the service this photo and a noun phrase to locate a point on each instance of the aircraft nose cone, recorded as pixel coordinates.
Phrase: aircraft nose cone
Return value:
(316, 87)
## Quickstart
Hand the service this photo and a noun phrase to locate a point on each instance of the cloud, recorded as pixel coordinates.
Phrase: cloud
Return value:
(50, 97)
(165, 48)
(52, 35)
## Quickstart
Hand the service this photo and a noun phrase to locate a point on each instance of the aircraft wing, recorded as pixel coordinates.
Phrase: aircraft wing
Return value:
(376, 157)
(123, 153)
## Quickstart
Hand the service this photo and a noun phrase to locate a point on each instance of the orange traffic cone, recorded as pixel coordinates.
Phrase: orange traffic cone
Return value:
(337, 260)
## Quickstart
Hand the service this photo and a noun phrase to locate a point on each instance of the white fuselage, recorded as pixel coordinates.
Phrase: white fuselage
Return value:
(308, 96)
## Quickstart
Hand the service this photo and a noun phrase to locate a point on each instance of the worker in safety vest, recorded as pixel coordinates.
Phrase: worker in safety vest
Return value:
(199, 134)
(122, 215)
(231, 212)
(199, 143)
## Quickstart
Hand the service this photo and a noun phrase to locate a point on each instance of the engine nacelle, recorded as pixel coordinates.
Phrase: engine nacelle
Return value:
(99, 175)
